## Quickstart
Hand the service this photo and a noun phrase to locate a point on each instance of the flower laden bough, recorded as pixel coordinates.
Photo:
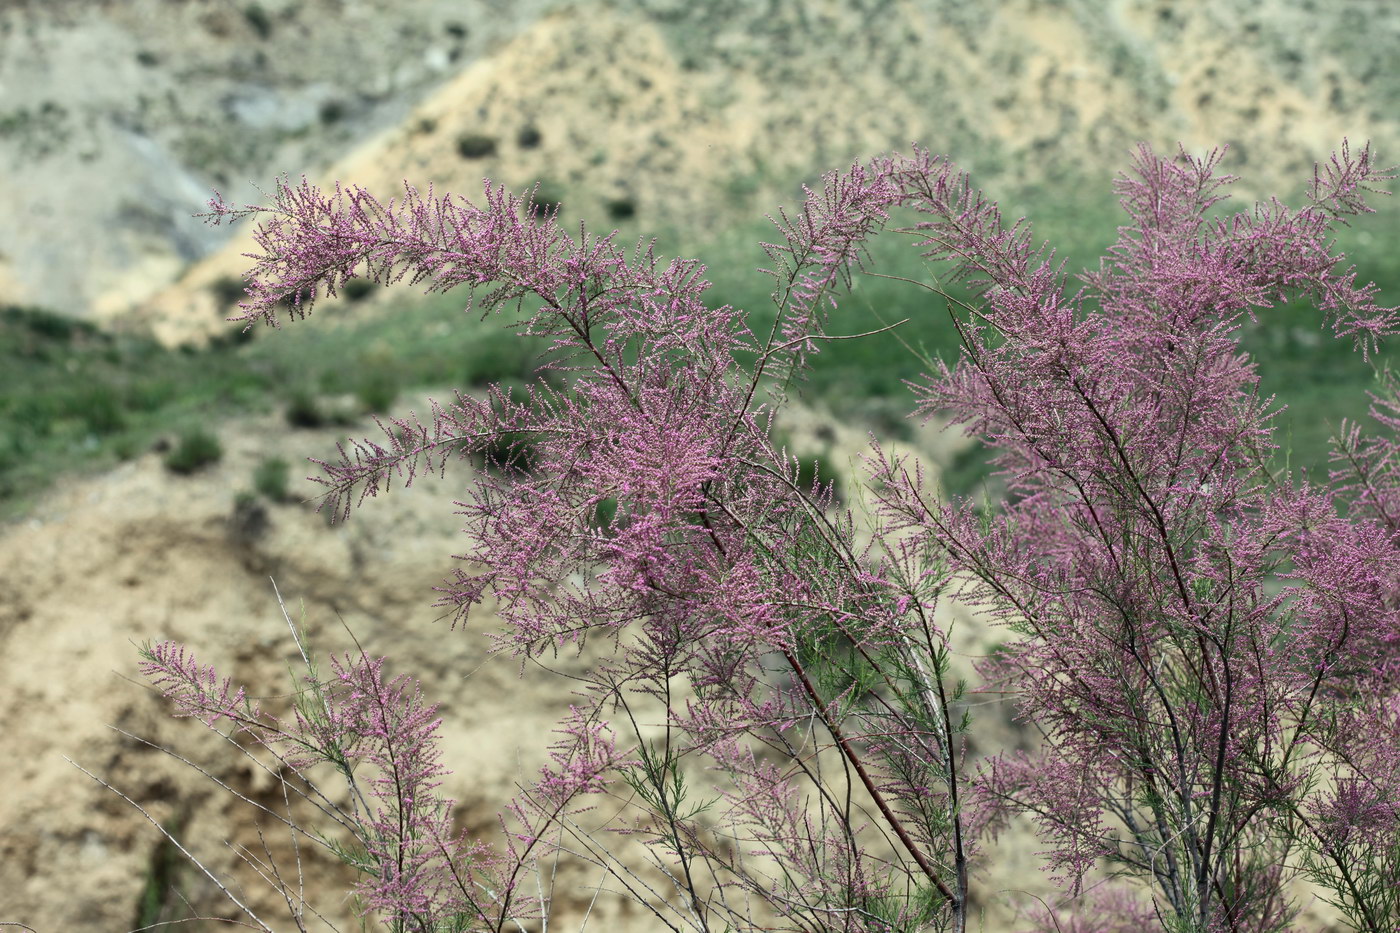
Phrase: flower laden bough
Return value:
(1201, 726)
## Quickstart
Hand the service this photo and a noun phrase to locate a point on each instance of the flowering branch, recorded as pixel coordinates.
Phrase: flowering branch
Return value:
(1192, 710)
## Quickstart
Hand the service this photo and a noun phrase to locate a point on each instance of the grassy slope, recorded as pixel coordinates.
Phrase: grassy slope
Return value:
(1318, 379)
(74, 398)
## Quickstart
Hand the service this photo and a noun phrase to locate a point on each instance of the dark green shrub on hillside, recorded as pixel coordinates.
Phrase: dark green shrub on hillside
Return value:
(497, 357)
(259, 19)
(100, 409)
(331, 111)
(249, 520)
(547, 199)
(506, 453)
(605, 513)
(476, 145)
(376, 384)
(227, 290)
(196, 449)
(809, 472)
(304, 410)
(621, 209)
(44, 323)
(357, 289)
(270, 479)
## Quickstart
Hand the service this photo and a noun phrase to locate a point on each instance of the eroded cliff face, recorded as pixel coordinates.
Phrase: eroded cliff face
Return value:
(118, 118)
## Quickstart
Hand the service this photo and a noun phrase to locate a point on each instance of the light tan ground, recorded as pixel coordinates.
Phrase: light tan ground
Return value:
(106, 563)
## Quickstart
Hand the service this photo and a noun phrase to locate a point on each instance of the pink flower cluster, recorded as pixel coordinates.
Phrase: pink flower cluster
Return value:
(1208, 646)
(382, 738)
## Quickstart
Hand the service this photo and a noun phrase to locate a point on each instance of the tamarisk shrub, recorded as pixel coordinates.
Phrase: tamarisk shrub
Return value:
(1194, 722)
(1208, 646)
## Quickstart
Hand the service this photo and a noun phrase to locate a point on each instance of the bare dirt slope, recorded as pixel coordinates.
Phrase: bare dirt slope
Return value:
(107, 563)
(698, 116)
(116, 119)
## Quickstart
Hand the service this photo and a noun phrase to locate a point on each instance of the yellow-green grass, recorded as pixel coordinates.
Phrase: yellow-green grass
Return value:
(75, 398)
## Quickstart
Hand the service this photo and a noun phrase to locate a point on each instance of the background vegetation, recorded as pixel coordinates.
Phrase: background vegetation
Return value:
(74, 398)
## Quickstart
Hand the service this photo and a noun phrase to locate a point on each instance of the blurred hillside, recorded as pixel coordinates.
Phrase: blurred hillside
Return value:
(686, 119)
(117, 118)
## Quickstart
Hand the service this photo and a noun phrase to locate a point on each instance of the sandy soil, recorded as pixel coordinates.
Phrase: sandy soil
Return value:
(107, 563)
